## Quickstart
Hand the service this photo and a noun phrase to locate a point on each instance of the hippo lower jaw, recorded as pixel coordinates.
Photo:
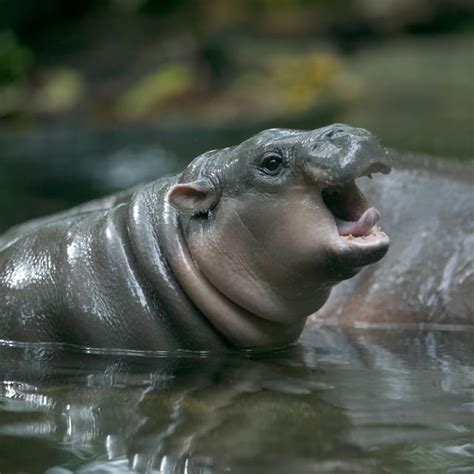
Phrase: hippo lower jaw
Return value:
(361, 241)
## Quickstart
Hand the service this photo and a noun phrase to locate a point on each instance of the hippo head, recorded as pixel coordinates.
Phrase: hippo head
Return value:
(276, 221)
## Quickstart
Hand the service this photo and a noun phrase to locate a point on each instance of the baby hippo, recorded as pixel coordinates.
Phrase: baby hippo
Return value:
(238, 250)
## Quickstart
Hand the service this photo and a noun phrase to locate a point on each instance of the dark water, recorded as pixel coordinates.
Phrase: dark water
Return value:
(360, 401)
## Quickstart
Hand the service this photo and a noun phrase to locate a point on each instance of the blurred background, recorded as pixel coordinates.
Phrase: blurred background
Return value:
(100, 94)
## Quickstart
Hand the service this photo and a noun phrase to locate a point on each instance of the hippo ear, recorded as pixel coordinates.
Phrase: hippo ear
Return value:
(195, 197)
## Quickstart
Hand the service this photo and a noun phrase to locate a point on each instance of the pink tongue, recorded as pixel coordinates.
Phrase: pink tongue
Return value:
(363, 226)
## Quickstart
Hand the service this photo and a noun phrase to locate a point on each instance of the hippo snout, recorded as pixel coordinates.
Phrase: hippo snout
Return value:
(338, 153)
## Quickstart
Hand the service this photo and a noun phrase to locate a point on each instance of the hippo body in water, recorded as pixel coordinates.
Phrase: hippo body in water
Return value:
(238, 250)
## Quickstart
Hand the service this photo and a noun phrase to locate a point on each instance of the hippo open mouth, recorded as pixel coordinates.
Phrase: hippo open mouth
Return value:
(356, 222)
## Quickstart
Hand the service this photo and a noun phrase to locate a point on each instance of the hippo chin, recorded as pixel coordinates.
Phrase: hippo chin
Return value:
(238, 250)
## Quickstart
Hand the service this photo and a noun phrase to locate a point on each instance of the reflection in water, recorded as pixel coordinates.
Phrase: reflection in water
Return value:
(354, 401)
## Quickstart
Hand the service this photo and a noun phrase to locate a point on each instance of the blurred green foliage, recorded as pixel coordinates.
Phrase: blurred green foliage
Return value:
(156, 87)
(201, 61)
(15, 59)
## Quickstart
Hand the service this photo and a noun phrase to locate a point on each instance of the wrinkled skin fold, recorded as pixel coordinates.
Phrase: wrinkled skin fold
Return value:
(238, 250)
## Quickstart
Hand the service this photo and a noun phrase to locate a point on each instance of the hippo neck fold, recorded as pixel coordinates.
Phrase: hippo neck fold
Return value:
(238, 326)
(145, 219)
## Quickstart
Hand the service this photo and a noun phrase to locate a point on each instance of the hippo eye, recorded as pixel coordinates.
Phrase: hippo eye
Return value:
(272, 164)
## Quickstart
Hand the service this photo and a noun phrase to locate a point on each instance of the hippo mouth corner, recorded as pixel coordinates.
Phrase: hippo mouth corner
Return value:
(356, 222)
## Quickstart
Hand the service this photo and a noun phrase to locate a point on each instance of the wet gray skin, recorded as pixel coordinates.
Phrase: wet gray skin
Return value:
(237, 250)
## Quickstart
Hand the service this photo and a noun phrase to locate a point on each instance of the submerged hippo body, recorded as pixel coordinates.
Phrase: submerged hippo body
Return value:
(237, 250)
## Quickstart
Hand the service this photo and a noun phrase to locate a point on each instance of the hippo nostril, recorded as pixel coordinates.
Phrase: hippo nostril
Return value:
(335, 130)
(340, 127)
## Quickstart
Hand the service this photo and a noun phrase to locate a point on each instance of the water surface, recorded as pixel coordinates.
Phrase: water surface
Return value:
(340, 401)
